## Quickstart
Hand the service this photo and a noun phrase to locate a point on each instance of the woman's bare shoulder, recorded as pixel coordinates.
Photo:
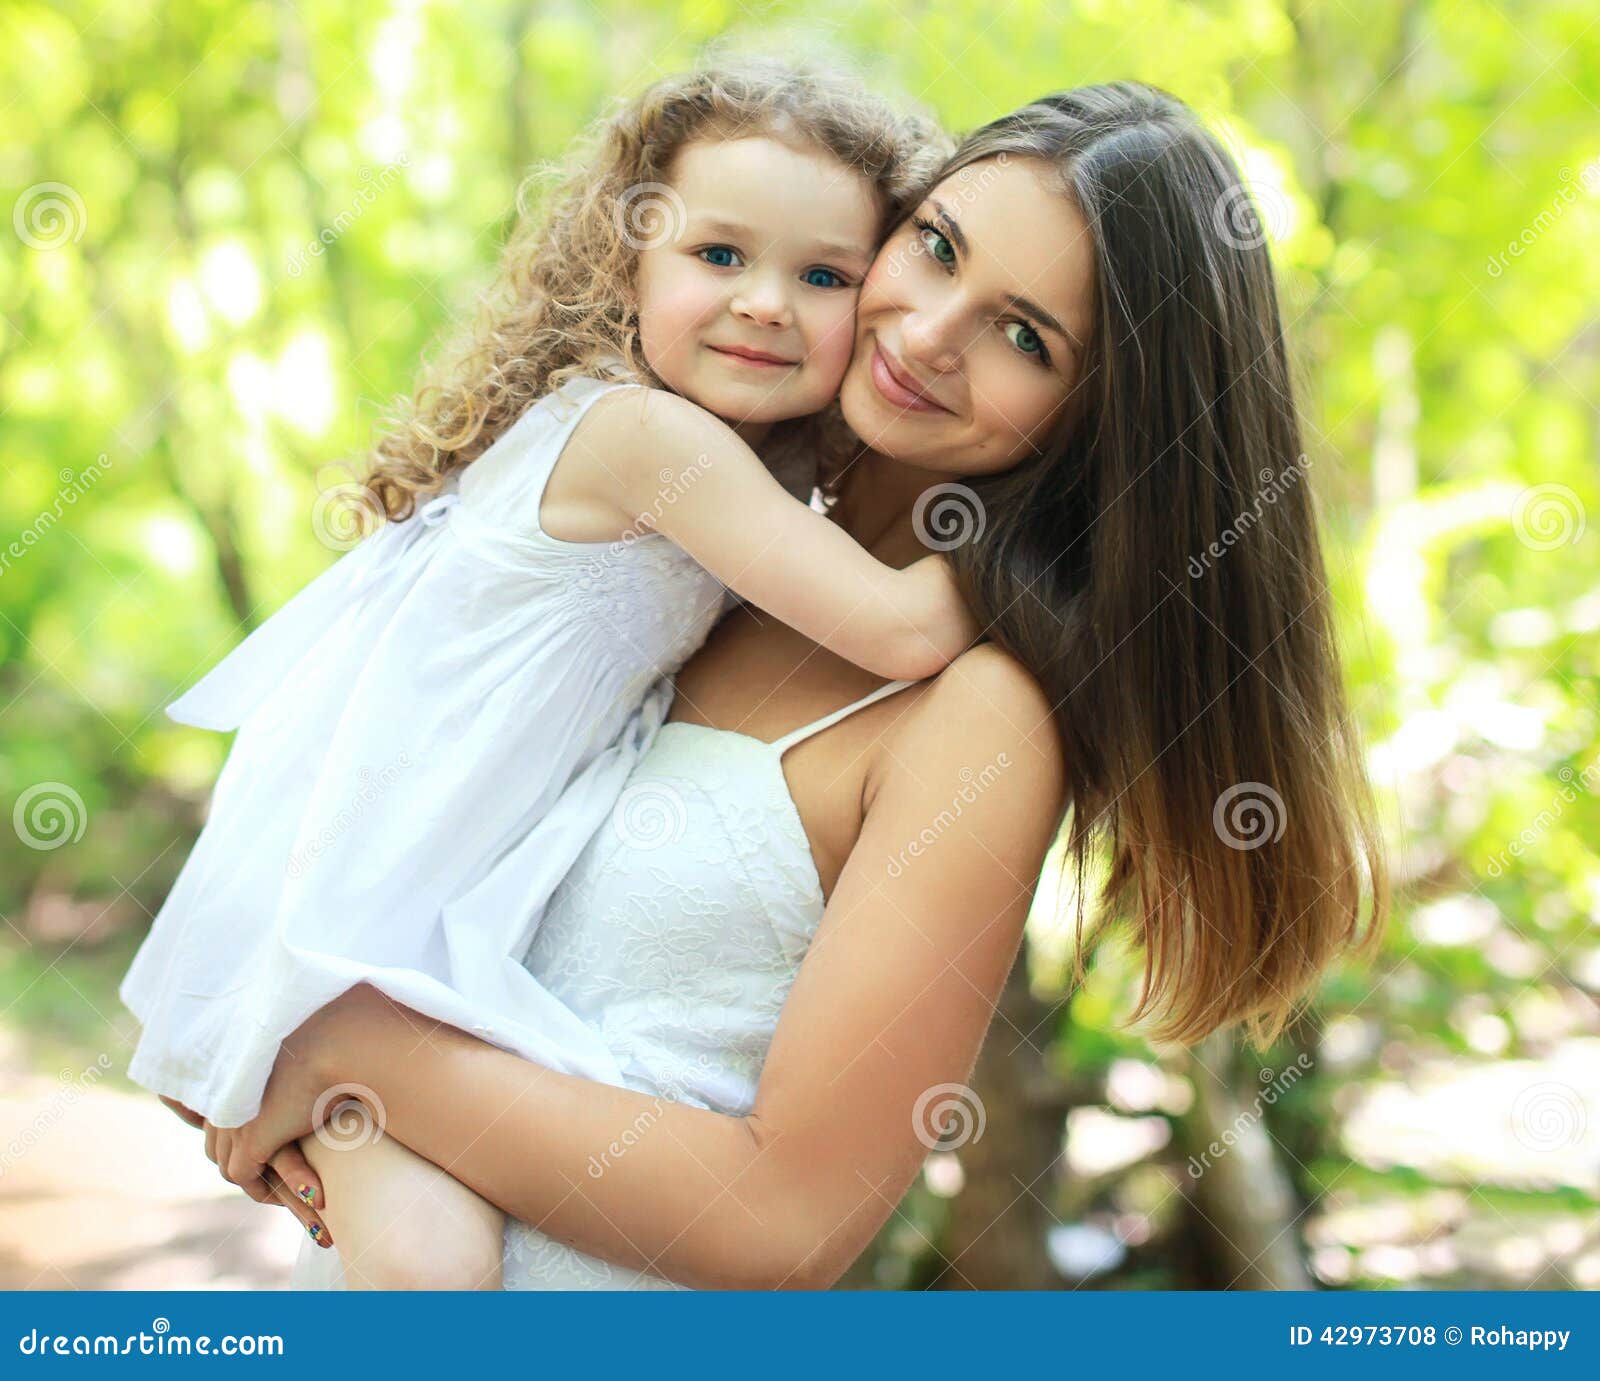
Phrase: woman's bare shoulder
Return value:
(984, 708)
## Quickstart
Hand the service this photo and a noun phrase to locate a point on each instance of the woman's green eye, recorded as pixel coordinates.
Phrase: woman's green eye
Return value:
(1027, 339)
(724, 263)
(835, 282)
(946, 254)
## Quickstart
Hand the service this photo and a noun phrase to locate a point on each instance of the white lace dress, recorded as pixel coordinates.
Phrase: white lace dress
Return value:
(677, 944)
(428, 734)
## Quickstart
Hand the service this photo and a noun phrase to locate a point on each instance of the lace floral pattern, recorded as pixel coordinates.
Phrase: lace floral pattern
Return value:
(682, 953)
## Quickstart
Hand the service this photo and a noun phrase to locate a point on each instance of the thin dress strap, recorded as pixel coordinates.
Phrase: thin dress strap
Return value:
(794, 736)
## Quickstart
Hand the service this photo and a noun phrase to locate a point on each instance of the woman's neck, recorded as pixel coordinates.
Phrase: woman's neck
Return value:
(877, 498)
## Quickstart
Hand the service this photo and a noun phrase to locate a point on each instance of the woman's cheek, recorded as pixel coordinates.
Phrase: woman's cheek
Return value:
(1009, 416)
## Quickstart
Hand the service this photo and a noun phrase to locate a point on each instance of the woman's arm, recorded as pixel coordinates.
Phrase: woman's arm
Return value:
(669, 466)
(893, 999)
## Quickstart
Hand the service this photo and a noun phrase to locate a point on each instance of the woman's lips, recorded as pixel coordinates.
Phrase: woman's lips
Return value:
(755, 359)
(896, 392)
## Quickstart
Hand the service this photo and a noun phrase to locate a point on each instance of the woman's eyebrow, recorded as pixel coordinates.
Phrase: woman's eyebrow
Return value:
(1026, 305)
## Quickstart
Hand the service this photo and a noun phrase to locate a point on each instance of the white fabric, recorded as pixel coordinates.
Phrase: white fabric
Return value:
(677, 947)
(428, 734)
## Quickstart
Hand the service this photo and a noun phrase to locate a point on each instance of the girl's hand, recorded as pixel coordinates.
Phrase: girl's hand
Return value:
(286, 1179)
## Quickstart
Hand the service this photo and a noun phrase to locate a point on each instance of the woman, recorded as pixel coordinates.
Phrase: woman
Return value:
(1067, 326)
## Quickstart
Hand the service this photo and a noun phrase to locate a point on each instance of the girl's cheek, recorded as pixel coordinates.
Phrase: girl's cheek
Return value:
(836, 343)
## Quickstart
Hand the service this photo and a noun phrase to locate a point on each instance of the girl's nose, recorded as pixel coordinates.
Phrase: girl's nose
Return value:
(760, 298)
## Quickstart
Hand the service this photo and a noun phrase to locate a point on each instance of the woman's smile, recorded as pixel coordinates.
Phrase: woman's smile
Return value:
(895, 384)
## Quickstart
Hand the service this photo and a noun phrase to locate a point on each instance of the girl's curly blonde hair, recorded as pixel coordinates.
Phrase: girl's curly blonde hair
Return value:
(562, 299)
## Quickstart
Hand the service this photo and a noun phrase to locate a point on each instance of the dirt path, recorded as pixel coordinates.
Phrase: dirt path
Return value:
(101, 1190)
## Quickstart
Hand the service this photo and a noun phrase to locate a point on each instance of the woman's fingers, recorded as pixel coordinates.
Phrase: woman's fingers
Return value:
(296, 1172)
(189, 1115)
(239, 1164)
(287, 1184)
(228, 1160)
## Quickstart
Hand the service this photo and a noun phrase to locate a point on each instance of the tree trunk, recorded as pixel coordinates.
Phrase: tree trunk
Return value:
(1244, 1204)
(996, 1235)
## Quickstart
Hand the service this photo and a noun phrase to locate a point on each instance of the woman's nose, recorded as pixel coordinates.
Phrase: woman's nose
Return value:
(934, 338)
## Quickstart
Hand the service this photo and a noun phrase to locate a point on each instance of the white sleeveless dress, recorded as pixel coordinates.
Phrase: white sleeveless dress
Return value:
(428, 734)
(677, 949)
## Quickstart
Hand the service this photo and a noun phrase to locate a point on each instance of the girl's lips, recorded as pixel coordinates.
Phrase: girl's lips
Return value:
(753, 360)
(896, 392)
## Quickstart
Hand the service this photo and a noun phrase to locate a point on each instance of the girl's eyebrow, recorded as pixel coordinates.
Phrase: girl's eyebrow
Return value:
(717, 225)
(1026, 305)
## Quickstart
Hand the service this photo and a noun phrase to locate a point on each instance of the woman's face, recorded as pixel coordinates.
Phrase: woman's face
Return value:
(972, 322)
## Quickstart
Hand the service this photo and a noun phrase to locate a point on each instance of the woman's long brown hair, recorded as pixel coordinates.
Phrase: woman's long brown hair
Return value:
(1158, 568)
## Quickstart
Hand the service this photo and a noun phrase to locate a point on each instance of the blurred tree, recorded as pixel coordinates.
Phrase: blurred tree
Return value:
(238, 223)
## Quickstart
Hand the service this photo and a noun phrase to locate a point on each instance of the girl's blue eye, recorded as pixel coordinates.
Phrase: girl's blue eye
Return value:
(720, 249)
(837, 282)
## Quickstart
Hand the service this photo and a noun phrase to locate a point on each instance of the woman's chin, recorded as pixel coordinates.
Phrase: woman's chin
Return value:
(881, 426)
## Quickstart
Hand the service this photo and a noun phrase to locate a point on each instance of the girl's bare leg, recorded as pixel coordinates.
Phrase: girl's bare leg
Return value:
(399, 1222)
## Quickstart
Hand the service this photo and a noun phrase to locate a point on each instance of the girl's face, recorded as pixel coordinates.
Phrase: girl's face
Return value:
(972, 322)
(747, 294)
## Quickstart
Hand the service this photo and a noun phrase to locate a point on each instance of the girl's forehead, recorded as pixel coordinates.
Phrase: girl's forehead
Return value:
(761, 182)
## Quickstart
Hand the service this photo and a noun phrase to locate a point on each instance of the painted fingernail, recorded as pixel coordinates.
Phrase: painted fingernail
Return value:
(308, 1194)
(316, 1232)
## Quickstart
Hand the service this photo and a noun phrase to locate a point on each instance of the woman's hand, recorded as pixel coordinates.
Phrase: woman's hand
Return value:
(287, 1178)
(263, 1156)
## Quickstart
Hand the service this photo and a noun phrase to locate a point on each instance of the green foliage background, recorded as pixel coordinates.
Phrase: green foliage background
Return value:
(181, 354)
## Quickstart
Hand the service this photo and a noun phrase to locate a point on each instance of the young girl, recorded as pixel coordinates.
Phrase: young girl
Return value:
(431, 730)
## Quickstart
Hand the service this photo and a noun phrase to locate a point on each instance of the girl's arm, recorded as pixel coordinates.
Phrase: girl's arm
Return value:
(669, 466)
(877, 1036)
